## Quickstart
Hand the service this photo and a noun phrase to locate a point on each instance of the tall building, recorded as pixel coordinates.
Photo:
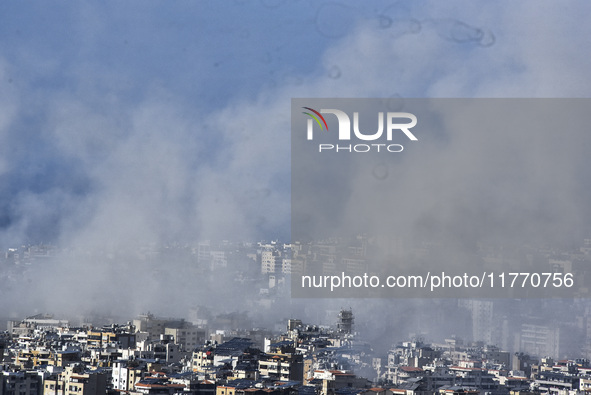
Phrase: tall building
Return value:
(270, 259)
(540, 339)
(346, 321)
(483, 324)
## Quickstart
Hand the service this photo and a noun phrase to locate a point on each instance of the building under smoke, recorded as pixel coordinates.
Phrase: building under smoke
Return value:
(346, 321)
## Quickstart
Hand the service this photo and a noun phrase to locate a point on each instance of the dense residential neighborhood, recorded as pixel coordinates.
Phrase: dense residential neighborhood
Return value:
(498, 346)
(42, 355)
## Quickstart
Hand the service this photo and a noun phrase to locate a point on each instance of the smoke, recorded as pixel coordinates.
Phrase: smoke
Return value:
(131, 128)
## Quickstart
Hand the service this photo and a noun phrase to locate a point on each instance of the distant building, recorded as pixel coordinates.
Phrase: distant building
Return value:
(282, 367)
(75, 380)
(333, 380)
(125, 374)
(270, 259)
(540, 339)
(148, 323)
(20, 383)
(29, 358)
(345, 321)
(186, 335)
(29, 324)
(158, 386)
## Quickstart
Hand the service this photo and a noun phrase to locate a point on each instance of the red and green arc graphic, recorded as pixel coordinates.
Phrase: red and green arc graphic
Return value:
(316, 117)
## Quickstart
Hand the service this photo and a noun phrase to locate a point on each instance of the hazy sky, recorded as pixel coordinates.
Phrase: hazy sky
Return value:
(170, 120)
(134, 121)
